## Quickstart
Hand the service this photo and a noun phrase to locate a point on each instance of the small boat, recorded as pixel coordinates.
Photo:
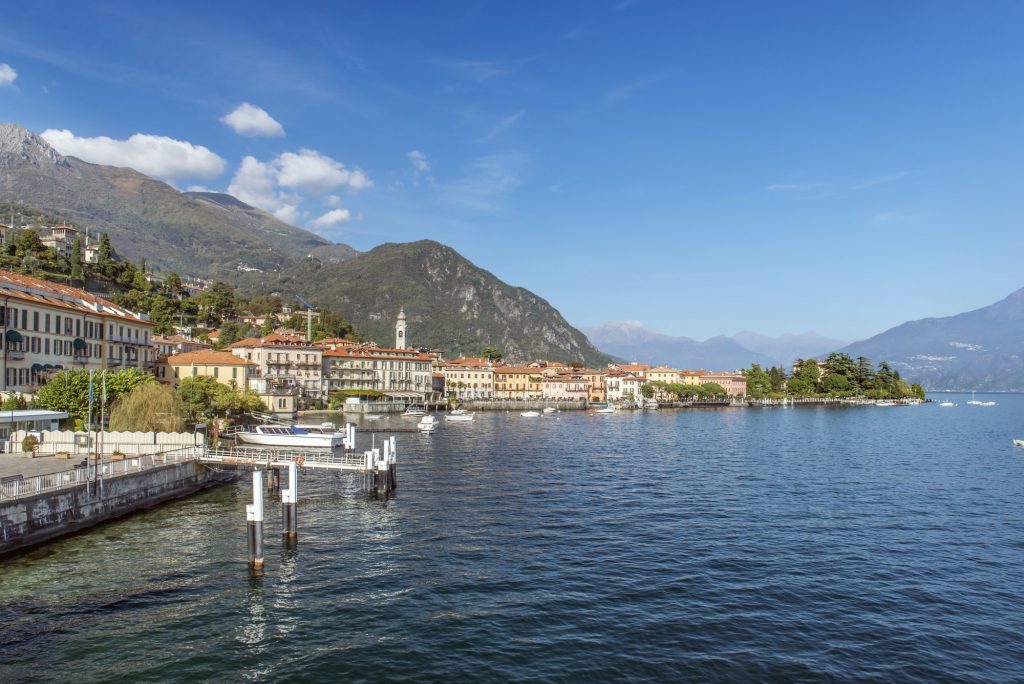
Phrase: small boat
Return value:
(290, 436)
(947, 404)
(373, 416)
(650, 404)
(458, 412)
(414, 411)
(973, 401)
(549, 409)
(427, 424)
(459, 417)
(606, 409)
(530, 414)
(1018, 442)
(986, 403)
(885, 402)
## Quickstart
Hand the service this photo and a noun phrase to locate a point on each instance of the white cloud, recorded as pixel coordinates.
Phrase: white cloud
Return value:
(420, 167)
(248, 119)
(255, 183)
(315, 172)
(277, 186)
(7, 75)
(154, 155)
(333, 218)
(486, 181)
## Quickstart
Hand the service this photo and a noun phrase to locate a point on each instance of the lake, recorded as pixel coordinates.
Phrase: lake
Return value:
(808, 543)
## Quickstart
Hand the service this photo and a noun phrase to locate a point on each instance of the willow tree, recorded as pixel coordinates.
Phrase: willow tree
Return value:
(149, 408)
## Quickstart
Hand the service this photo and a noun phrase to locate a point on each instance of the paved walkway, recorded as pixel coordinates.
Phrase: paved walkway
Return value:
(18, 464)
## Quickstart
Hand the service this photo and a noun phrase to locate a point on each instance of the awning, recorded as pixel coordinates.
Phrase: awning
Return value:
(79, 343)
(13, 336)
(58, 367)
(48, 366)
(36, 367)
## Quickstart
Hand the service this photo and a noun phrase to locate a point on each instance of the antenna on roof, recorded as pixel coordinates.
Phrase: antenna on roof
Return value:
(309, 317)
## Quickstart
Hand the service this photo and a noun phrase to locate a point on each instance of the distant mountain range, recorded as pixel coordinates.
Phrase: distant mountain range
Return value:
(451, 304)
(979, 350)
(630, 341)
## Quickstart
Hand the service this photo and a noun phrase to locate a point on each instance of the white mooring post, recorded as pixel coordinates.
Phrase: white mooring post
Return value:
(290, 504)
(254, 521)
(350, 437)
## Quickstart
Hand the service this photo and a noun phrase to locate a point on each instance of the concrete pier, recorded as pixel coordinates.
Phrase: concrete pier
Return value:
(27, 520)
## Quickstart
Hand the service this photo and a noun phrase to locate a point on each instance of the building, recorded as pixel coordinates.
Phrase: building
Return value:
(692, 377)
(285, 362)
(518, 382)
(566, 388)
(222, 366)
(623, 388)
(48, 327)
(735, 384)
(400, 373)
(61, 238)
(471, 378)
(401, 338)
(176, 344)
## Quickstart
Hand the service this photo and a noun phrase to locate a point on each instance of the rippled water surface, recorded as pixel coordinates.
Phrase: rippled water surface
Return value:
(861, 543)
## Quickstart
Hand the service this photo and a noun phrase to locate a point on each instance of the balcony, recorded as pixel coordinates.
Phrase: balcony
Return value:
(81, 358)
(111, 363)
(15, 354)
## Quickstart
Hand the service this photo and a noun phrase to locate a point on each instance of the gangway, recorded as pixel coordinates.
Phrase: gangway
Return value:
(267, 457)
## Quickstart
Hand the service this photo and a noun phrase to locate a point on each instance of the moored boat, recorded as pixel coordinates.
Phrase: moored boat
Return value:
(1018, 442)
(530, 414)
(290, 436)
(427, 424)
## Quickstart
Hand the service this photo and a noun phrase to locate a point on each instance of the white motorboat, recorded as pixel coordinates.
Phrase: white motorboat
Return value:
(1018, 442)
(947, 404)
(530, 414)
(414, 412)
(290, 436)
(427, 424)
(885, 403)
(459, 417)
(458, 412)
(986, 403)
(974, 402)
(606, 409)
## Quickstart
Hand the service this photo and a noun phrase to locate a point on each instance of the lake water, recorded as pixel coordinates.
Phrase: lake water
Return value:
(766, 544)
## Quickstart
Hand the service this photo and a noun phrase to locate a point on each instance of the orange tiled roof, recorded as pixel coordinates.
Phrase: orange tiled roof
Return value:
(36, 290)
(207, 357)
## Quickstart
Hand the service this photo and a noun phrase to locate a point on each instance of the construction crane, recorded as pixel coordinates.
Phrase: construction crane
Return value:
(309, 317)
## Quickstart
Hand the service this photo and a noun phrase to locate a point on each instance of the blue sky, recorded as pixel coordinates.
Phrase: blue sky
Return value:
(701, 167)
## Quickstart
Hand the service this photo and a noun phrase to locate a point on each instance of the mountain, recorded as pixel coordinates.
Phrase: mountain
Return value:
(785, 349)
(204, 234)
(978, 350)
(629, 340)
(449, 303)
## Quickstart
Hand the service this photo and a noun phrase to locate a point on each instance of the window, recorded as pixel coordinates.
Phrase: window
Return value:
(193, 371)
(46, 346)
(46, 322)
(78, 327)
(216, 372)
(234, 373)
(24, 319)
(175, 371)
(35, 320)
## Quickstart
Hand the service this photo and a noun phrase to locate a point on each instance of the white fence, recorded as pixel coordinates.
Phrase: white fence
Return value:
(128, 443)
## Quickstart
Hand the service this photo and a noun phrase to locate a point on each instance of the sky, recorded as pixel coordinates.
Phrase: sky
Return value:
(700, 167)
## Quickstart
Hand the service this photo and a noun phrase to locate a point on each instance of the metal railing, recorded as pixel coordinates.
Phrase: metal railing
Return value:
(310, 458)
(21, 487)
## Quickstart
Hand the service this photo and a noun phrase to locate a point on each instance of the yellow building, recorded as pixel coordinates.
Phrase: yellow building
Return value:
(662, 374)
(224, 367)
(48, 327)
(518, 382)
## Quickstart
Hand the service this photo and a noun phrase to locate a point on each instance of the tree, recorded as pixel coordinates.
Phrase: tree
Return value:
(647, 390)
(173, 284)
(150, 407)
(759, 384)
(218, 302)
(268, 327)
(28, 244)
(203, 396)
(69, 390)
(104, 254)
(76, 260)
(491, 353)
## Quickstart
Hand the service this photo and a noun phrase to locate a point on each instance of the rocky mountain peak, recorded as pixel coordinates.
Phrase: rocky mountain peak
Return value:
(21, 146)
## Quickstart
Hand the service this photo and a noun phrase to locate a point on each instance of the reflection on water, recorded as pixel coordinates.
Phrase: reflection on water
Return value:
(726, 544)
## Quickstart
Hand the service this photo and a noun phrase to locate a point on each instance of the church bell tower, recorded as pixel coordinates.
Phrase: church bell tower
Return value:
(401, 341)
